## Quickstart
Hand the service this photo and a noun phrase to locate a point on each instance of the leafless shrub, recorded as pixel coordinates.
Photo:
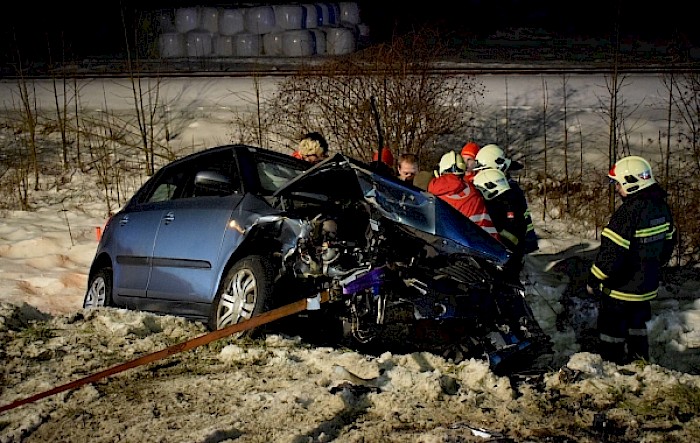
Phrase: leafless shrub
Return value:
(418, 105)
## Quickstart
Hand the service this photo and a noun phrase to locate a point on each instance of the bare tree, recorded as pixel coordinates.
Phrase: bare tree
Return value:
(565, 145)
(29, 120)
(60, 105)
(146, 94)
(682, 183)
(545, 102)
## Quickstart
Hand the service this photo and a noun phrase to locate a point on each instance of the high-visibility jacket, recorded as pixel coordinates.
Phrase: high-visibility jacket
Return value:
(464, 197)
(635, 244)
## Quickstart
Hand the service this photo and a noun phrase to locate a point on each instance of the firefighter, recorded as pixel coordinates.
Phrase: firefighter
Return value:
(636, 243)
(492, 156)
(507, 213)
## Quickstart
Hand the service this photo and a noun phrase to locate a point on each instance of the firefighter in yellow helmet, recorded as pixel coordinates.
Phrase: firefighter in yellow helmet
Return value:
(636, 243)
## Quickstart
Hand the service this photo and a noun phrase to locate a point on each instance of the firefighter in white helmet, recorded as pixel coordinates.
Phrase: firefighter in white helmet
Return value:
(507, 213)
(491, 156)
(636, 243)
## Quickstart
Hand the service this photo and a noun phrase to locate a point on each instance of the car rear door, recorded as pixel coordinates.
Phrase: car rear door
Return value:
(135, 231)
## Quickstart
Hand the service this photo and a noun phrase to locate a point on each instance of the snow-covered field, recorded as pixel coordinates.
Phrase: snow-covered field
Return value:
(282, 389)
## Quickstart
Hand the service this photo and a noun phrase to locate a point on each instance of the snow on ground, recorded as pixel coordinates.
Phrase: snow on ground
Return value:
(282, 389)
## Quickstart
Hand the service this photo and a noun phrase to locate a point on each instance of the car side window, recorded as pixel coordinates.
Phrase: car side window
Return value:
(213, 175)
(169, 187)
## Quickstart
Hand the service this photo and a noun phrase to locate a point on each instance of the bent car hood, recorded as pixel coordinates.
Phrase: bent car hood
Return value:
(425, 215)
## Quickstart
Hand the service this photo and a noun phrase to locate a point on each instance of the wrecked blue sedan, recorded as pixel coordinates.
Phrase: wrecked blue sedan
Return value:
(233, 231)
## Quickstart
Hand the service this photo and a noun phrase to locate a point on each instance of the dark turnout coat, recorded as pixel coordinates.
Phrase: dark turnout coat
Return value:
(636, 243)
(517, 197)
(508, 215)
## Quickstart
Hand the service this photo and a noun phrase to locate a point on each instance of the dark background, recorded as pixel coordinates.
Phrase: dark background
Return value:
(74, 29)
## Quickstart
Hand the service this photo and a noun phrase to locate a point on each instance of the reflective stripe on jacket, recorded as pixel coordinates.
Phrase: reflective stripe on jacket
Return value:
(507, 213)
(464, 197)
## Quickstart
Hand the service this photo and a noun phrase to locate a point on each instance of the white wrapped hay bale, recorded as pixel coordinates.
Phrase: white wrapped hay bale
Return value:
(339, 41)
(247, 44)
(198, 44)
(231, 21)
(298, 43)
(171, 45)
(272, 44)
(310, 16)
(289, 16)
(186, 19)
(260, 19)
(209, 20)
(322, 13)
(349, 13)
(319, 41)
(223, 45)
(328, 14)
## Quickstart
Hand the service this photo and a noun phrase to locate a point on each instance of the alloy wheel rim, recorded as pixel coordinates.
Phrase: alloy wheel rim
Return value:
(238, 301)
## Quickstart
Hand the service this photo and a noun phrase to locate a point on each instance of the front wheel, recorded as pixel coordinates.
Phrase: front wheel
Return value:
(99, 292)
(244, 292)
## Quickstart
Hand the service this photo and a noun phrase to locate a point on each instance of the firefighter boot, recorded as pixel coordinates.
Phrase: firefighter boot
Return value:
(638, 347)
(613, 352)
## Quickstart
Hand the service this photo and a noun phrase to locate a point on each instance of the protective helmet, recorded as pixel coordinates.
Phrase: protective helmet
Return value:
(492, 156)
(470, 149)
(491, 183)
(452, 163)
(632, 173)
(387, 156)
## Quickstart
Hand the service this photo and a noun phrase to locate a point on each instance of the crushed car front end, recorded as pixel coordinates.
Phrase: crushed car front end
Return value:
(401, 264)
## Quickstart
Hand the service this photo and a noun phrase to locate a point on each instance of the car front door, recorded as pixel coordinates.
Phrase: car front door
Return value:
(187, 250)
(188, 247)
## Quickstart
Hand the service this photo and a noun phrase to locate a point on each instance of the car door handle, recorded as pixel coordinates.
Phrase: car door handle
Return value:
(170, 216)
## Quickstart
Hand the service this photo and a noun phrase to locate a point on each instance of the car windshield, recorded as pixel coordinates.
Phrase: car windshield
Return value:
(274, 174)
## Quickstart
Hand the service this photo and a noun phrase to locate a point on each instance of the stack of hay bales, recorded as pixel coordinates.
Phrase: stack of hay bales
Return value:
(284, 30)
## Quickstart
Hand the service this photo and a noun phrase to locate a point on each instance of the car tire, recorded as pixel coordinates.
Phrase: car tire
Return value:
(99, 291)
(245, 291)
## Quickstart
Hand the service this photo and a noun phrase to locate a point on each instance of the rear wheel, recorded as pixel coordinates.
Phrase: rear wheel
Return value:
(245, 292)
(99, 292)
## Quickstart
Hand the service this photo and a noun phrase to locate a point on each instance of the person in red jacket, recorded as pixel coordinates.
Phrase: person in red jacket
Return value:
(469, 151)
(386, 165)
(451, 187)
